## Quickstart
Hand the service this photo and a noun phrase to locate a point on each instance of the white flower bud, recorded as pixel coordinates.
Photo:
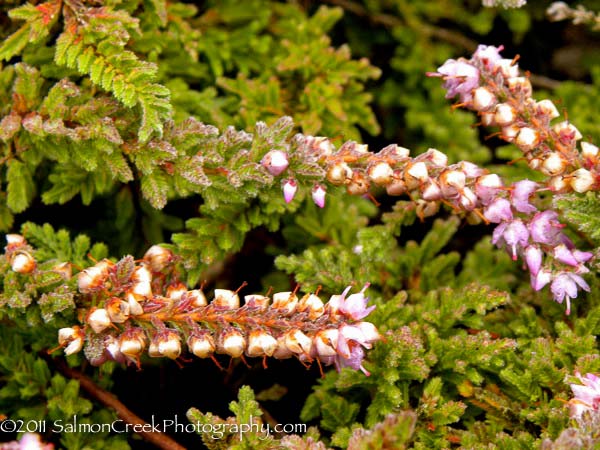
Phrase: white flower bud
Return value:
(313, 304)
(158, 257)
(490, 181)
(261, 343)
(257, 301)
(71, 338)
(282, 351)
(15, 240)
(361, 148)
(133, 300)
(196, 298)
(488, 119)
(507, 68)
(359, 184)
(483, 99)
(505, 115)
(141, 274)
(535, 163)
(415, 174)
(176, 291)
(142, 288)
(233, 343)
(394, 151)
(581, 180)
(320, 145)
(226, 299)
(369, 331)
(338, 173)
(589, 151)
(547, 108)
(452, 182)
(22, 262)
(325, 342)
(397, 186)
(437, 158)
(509, 132)
(559, 184)
(285, 302)
(90, 279)
(169, 345)
(380, 173)
(132, 343)
(426, 209)
(468, 199)
(566, 131)
(431, 191)
(520, 84)
(554, 164)
(297, 342)
(99, 320)
(118, 310)
(201, 345)
(275, 161)
(527, 139)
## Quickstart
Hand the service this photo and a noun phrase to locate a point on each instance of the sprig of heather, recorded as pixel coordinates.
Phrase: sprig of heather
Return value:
(135, 307)
(585, 404)
(429, 181)
(494, 88)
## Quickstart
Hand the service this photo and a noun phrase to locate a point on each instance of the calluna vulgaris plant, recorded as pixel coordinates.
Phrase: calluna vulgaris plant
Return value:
(292, 240)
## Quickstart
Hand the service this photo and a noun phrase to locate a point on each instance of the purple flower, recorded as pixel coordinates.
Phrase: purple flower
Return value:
(545, 229)
(289, 190)
(275, 162)
(355, 306)
(487, 187)
(460, 78)
(351, 340)
(514, 234)
(564, 287)
(533, 258)
(318, 195)
(564, 255)
(499, 210)
(488, 55)
(519, 196)
(582, 257)
(586, 396)
(540, 280)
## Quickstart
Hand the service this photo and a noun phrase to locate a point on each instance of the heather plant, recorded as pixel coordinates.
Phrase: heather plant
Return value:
(297, 226)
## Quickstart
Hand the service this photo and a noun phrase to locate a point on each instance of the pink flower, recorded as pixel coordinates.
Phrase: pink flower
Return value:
(520, 194)
(545, 229)
(499, 210)
(350, 353)
(586, 396)
(355, 305)
(289, 190)
(488, 55)
(533, 258)
(564, 287)
(460, 78)
(564, 255)
(318, 195)
(541, 279)
(514, 234)
(275, 162)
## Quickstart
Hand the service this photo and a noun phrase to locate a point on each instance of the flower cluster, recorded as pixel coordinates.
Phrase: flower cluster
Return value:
(586, 396)
(141, 307)
(493, 86)
(429, 181)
